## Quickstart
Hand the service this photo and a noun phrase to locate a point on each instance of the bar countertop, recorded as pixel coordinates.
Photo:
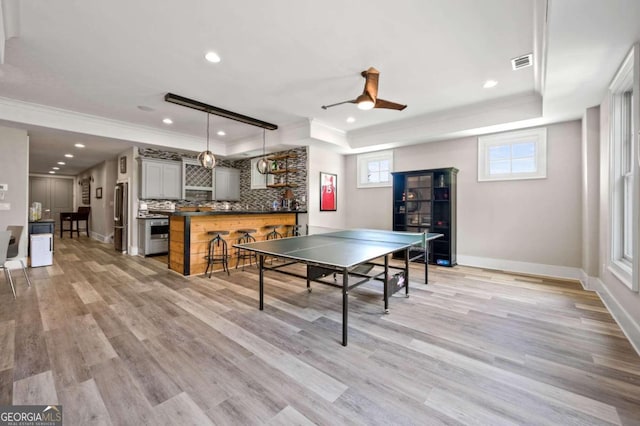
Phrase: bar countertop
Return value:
(230, 212)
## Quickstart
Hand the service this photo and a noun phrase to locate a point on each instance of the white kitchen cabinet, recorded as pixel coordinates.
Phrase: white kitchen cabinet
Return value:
(160, 179)
(227, 182)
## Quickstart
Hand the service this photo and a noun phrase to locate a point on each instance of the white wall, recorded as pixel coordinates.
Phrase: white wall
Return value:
(590, 191)
(104, 176)
(14, 171)
(321, 160)
(527, 225)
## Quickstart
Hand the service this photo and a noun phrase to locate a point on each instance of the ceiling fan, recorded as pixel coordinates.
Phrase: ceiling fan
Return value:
(369, 98)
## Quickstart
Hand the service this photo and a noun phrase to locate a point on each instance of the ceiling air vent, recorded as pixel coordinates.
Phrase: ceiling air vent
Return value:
(522, 61)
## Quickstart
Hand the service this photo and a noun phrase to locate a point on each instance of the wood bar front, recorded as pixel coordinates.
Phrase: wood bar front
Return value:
(189, 238)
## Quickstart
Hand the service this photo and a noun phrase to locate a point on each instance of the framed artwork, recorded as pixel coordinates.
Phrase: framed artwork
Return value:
(99, 192)
(123, 164)
(328, 191)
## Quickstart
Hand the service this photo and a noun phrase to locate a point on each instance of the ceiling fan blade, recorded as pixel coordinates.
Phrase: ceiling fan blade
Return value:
(353, 101)
(381, 103)
(371, 85)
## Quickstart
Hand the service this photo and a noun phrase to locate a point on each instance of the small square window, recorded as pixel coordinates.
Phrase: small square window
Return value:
(513, 155)
(374, 169)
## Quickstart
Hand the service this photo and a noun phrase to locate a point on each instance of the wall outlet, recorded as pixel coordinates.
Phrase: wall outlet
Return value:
(4, 186)
(5, 206)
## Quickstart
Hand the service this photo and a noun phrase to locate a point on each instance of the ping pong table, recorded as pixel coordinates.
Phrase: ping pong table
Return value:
(349, 253)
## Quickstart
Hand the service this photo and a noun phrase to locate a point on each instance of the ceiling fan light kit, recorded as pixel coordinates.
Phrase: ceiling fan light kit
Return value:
(369, 97)
(364, 102)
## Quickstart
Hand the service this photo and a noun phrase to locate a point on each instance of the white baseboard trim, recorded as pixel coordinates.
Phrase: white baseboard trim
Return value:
(629, 326)
(554, 271)
(100, 237)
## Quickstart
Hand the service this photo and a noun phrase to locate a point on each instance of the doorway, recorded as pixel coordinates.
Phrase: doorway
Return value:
(55, 194)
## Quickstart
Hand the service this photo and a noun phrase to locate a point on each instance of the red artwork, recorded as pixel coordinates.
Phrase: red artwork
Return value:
(328, 194)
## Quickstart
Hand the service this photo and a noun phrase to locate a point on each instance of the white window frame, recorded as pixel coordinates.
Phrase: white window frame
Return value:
(621, 197)
(536, 135)
(363, 161)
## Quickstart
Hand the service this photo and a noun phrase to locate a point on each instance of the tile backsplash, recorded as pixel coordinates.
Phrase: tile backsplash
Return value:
(250, 199)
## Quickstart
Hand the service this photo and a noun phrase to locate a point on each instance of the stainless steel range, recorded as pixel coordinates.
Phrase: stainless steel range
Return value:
(153, 237)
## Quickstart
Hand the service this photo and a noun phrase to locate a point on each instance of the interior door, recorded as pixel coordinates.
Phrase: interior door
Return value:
(55, 194)
(39, 192)
(61, 197)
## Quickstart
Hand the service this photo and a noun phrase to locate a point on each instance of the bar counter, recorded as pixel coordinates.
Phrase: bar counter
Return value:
(189, 238)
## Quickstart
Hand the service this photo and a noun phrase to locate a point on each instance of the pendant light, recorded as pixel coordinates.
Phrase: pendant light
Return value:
(206, 158)
(263, 165)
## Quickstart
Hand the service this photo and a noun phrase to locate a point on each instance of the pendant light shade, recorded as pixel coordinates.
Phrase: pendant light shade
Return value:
(263, 165)
(206, 158)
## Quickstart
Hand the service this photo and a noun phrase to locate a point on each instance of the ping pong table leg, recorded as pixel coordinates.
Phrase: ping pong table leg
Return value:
(406, 273)
(386, 284)
(426, 263)
(345, 305)
(261, 267)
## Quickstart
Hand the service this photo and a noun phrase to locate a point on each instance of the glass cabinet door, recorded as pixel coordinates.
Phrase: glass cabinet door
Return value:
(418, 195)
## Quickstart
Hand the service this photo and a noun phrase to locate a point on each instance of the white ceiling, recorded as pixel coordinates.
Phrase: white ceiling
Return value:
(77, 71)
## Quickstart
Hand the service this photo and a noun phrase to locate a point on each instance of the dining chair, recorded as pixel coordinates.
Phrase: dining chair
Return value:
(4, 246)
(14, 249)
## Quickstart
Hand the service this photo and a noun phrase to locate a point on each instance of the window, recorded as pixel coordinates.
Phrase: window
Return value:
(627, 176)
(374, 169)
(513, 155)
(621, 175)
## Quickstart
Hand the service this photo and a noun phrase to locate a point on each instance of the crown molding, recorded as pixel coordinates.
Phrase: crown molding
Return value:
(444, 124)
(27, 114)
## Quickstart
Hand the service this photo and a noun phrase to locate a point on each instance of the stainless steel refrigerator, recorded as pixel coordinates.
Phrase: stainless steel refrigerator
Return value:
(120, 217)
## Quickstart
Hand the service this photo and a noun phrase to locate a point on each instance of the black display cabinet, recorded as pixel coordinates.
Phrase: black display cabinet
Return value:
(425, 201)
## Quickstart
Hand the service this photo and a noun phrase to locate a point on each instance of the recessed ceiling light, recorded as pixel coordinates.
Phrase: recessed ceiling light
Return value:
(62, 163)
(52, 172)
(489, 84)
(56, 168)
(167, 121)
(69, 155)
(221, 133)
(351, 120)
(79, 145)
(145, 108)
(212, 57)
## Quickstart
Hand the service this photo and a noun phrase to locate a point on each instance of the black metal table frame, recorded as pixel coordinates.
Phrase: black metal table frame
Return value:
(345, 272)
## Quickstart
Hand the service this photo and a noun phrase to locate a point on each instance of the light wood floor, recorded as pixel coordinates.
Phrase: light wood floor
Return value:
(122, 340)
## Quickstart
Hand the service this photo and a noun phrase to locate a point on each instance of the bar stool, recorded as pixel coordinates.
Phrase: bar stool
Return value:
(296, 230)
(273, 234)
(217, 252)
(246, 237)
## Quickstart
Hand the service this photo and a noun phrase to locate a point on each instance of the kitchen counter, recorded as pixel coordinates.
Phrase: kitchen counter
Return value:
(233, 212)
(189, 238)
